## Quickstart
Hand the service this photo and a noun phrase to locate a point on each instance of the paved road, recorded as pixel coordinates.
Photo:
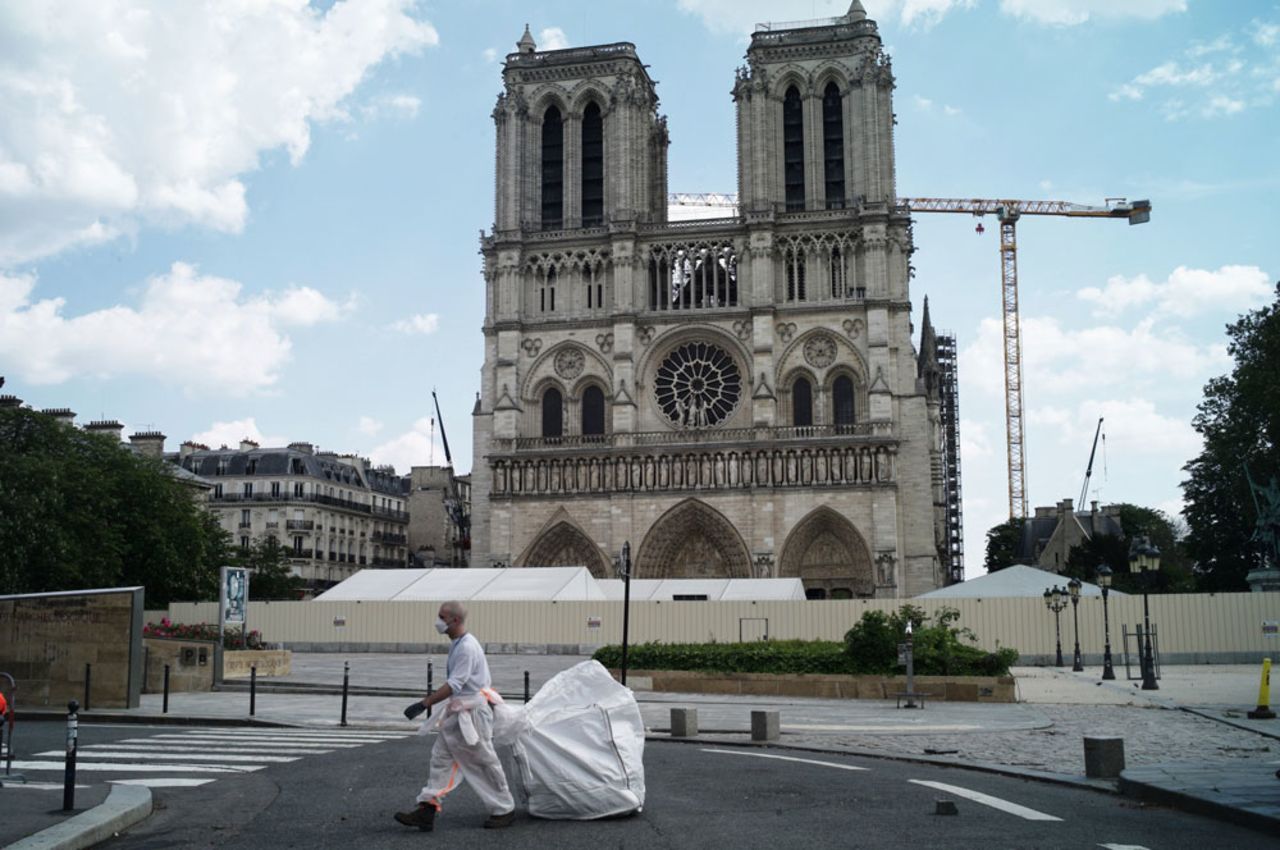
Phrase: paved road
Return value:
(341, 793)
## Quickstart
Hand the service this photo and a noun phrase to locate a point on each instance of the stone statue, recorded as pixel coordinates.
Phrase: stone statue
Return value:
(1266, 501)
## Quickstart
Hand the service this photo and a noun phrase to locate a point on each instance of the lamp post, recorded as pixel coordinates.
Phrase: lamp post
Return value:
(1073, 586)
(1054, 602)
(1145, 559)
(624, 565)
(1104, 582)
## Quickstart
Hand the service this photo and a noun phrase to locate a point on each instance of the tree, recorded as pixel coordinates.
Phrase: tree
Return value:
(1175, 575)
(79, 510)
(1239, 420)
(270, 577)
(1002, 544)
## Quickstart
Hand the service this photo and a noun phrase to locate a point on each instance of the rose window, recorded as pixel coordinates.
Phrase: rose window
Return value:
(698, 385)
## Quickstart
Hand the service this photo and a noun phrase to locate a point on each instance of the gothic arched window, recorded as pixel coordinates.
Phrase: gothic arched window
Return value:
(833, 146)
(552, 169)
(593, 411)
(842, 403)
(592, 166)
(801, 403)
(793, 149)
(552, 413)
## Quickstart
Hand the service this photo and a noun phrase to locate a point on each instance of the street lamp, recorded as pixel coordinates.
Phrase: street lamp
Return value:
(1054, 602)
(1145, 559)
(1077, 663)
(1104, 582)
(624, 566)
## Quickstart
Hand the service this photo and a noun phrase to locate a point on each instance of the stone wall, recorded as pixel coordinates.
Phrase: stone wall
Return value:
(945, 688)
(46, 639)
(192, 664)
(269, 662)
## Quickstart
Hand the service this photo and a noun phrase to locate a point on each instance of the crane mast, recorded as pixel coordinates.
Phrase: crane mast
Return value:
(1008, 211)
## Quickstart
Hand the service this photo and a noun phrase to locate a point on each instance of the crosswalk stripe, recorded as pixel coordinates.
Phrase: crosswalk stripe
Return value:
(182, 748)
(162, 782)
(319, 741)
(137, 768)
(987, 800)
(198, 757)
(306, 733)
(785, 758)
(178, 740)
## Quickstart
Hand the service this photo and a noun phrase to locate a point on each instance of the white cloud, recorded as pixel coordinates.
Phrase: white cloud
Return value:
(1222, 105)
(394, 106)
(368, 426)
(190, 330)
(423, 323)
(1265, 34)
(1074, 12)
(924, 104)
(975, 440)
(231, 433)
(741, 16)
(419, 446)
(490, 54)
(128, 113)
(1132, 426)
(1186, 292)
(552, 38)
(1128, 91)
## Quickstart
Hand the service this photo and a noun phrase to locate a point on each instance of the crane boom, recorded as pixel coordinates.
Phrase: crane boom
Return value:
(1008, 211)
(1088, 472)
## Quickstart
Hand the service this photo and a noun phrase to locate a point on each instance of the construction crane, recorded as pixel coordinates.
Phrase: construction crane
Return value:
(1008, 212)
(1088, 472)
(453, 497)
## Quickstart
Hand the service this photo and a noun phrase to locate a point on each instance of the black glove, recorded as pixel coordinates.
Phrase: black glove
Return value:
(415, 709)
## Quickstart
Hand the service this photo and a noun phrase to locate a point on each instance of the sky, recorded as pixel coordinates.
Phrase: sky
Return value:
(261, 219)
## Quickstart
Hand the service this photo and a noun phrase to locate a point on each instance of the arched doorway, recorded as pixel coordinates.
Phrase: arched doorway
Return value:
(565, 545)
(828, 554)
(693, 540)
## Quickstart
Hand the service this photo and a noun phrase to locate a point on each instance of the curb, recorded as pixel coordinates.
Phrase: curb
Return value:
(1227, 721)
(1188, 802)
(124, 806)
(153, 719)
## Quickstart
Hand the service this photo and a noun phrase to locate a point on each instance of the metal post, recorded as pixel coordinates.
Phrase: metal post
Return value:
(253, 688)
(346, 665)
(430, 687)
(626, 604)
(69, 772)
(88, 680)
(1057, 627)
(526, 685)
(1148, 660)
(1108, 672)
(1077, 662)
(165, 709)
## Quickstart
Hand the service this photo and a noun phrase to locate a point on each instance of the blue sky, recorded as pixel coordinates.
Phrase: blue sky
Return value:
(261, 220)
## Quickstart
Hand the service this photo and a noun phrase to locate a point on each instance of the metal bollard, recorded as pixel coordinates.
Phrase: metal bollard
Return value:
(253, 688)
(526, 685)
(69, 772)
(88, 679)
(346, 666)
(430, 687)
(165, 708)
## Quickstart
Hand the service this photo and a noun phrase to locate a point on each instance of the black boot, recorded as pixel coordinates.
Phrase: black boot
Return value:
(423, 817)
(500, 821)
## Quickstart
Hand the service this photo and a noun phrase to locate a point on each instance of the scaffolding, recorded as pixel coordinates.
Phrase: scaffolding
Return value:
(949, 395)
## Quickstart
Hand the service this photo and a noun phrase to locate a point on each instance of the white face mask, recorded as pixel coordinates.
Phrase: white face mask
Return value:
(441, 626)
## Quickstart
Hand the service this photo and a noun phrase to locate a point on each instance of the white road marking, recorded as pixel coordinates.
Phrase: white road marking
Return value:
(179, 740)
(200, 757)
(338, 732)
(38, 786)
(879, 727)
(1124, 847)
(987, 800)
(137, 768)
(785, 758)
(162, 782)
(319, 742)
(200, 748)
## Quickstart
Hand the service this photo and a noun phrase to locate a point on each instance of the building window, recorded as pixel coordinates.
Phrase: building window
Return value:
(839, 274)
(244, 518)
(217, 491)
(552, 413)
(842, 403)
(297, 545)
(793, 258)
(552, 169)
(297, 488)
(275, 489)
(547, 299)
(801, 403)
(244, 543)
(833, 146)
(248, 489)
(793, 149)
(251, 467)
(593, 411)
(592, 166)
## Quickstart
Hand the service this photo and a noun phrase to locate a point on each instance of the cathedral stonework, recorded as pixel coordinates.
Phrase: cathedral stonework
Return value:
(736, 397)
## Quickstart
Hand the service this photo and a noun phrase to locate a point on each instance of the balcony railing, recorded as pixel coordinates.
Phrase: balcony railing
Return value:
(704, 436)
(313, 498)
(299, 524)
(297, 554)
(246, 525)
(387, 562)
(388, 537)
(271, 525)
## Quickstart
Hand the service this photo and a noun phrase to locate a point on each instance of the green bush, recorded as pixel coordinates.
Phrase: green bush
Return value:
(232, 638)
(774, 656)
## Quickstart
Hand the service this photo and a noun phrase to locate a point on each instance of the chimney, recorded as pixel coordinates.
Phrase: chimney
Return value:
(148, 443)
(1093, 506)
(305, 448)
(65, 415)
(107, 427)
(188, 448)
(247, 445)
(10, 401)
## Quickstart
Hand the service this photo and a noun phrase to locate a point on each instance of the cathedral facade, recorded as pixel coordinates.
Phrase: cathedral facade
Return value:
(735, 397)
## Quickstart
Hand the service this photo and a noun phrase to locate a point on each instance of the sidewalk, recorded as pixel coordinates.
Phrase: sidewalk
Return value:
(1226, 765)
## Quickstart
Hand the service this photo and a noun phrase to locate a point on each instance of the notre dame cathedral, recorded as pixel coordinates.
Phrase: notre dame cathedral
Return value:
(736, 397)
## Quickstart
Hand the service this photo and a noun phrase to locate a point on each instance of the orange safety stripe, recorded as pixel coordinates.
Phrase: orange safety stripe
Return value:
(453, 775)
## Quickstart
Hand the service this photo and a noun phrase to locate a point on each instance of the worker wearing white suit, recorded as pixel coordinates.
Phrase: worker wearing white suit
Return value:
(464, 731)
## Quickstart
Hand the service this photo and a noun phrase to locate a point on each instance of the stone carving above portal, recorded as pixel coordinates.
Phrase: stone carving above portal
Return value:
(644, 333)
(852, 327)
(786, 330)
(569, 362)
(698, 385)
(820, 351)
(742, 329)
(605, 342)
(886, 562)
(531, 346)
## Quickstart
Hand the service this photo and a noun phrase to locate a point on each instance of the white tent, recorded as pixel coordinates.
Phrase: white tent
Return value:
(1017, 581)
(715, 590)
(560, 584)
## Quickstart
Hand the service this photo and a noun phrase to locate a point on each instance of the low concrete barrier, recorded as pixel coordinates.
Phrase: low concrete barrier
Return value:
(270, 662)
(191, 664)
(942, 688)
